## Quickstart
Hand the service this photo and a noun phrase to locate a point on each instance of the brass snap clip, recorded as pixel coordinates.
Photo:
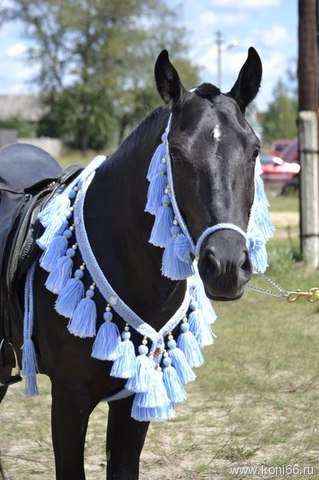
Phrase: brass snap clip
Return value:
(312, 295)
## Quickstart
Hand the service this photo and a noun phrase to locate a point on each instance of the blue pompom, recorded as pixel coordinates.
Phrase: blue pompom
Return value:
(107, 342)
(60, 275)
(83, 321)
(69, 297)
(161, 231)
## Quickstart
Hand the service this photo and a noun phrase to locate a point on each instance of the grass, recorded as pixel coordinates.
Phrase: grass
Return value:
(254, 403)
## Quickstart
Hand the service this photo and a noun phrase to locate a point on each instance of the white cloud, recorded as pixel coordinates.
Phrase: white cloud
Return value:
(15, 50)
(243, 4)
(276, 35)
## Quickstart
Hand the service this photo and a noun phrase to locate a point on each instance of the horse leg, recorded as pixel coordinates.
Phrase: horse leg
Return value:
(71, 408)
(125, 440)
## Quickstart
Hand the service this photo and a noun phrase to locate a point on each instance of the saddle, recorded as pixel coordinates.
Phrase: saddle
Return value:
(29, 178)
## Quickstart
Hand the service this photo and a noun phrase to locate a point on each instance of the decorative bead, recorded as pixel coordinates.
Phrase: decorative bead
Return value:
(126, 328)
(108, 316)
(108, 308)
(171, 344)
(163, 160)
(82, 267)
(72, 194)
(76, 188)
(143, 350)
(71, 252)
(113, 300)
(166, 201)
(89, 293)
(144, 341)
(167, 361)
(126, 335)
(71, 228)
(78, 274)
(175, 222)
(185, 327)
(92, 287)
(192, 305)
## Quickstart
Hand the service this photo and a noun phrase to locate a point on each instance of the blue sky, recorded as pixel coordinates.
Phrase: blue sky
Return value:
(268, 25)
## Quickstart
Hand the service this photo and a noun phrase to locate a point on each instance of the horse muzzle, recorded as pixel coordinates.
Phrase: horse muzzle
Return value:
(224, 265)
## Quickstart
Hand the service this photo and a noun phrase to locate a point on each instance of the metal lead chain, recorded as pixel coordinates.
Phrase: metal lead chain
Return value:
(312, 295)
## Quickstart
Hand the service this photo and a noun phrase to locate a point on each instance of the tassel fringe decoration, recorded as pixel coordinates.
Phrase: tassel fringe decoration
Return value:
(174, 387)
(108, 339)
(125, 365)
(83, 321)
(155, 192)
(187, 343)
(71, 294)
(140, 381)
(172, 266)
(179, 362)
(161, 231)
(62, 272)
(56, 250)
(156, 395)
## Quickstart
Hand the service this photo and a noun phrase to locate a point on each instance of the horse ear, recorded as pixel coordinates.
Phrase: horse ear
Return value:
(248, 82)
(167, 79)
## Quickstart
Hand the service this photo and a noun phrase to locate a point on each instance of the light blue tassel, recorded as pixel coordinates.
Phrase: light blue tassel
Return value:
(55, 250)
(108, 339)
(161, 231)
(83, 321)
(155, 162)
(174, 387)
(141, 414)
(187, 343)
(56, 210)
(179, 362)
(29, 367)
(258, 255)
(60, 275)
(125, 365)
(182, 248)
(70, 296)
(156, 395)
(172, 266)
(51, 232)
(203, 303)
(200, 328)
(140, 381)
(155, 193)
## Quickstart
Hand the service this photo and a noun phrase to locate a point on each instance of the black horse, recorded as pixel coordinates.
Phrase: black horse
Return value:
(214, 183)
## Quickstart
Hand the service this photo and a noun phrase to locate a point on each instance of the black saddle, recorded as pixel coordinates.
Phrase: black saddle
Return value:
(29, 178)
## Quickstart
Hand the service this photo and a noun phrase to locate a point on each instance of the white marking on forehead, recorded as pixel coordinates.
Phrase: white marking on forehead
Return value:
(217, 133)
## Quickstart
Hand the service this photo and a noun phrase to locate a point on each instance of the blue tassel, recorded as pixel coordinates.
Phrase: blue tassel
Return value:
(182, 248)
(155, 193)
(108, 340)
(56, 210)
(125, 365)
(60, 275)
(200, 328)
(174, 387)
(51, 232)
(142, 414)
(31, 387)
(258, 255)
(172, 266)
(69, 297)
(156, 395)
(29, 367)
(140, 381)
(55, 250)
(203, 303)
(83, 321)
(187, 343)
(180, 363)
(156, 160)
(161, 231)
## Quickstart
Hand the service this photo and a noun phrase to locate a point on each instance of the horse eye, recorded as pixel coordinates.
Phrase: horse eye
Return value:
(256, 153)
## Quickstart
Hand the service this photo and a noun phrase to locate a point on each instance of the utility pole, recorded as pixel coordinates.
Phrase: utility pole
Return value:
(308, 131)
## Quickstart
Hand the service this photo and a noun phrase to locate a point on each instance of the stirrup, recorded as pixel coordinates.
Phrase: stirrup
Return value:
(16, 376)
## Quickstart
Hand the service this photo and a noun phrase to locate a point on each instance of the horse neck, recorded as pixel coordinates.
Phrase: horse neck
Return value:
(119, 228)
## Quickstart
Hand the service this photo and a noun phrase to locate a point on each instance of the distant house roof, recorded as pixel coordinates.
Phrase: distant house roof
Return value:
(23, 107)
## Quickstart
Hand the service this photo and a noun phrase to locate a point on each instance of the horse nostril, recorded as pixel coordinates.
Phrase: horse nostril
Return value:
(245, 263)
(212, 264)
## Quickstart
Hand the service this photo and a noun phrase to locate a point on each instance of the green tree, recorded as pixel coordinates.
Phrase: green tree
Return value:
(279, 121)
(95, 60)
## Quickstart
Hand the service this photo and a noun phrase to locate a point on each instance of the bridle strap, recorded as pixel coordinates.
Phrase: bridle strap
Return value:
(215, 228)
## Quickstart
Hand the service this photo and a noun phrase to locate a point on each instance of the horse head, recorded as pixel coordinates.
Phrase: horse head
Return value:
(213, 151)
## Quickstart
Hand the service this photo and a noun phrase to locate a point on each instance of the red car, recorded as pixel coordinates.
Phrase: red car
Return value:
(275, 169)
